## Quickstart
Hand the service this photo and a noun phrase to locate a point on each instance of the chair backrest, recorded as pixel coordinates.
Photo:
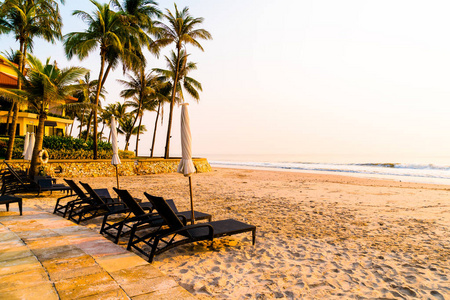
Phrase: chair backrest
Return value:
(165, 211)
(129, 201)
(76, 188)
(94, 196)
(14, 173)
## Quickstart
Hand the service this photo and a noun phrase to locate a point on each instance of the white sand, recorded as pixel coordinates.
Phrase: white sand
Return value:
(318, 236)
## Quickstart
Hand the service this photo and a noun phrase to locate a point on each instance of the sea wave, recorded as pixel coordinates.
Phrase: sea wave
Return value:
(425, 171)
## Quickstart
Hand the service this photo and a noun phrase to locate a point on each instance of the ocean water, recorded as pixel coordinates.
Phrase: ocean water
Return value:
(409, 169)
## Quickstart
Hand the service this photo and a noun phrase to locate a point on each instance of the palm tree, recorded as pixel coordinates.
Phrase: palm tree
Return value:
(114, 38)
(181, 30)
(144, 90)
(190, 85)
(27, 19)
(44, 85)
(86, 98)
(127, 128)
(14, 57)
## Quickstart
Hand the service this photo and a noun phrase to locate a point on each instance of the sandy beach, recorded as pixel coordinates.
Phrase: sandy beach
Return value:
(318, 236)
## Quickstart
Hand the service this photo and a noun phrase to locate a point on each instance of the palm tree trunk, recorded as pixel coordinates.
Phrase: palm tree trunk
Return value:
(101, 132)
(141, 97)
(88, 127)
(154, 131)
(71, 127)
(128, 136)
(38, 145)
(8, 118)
(169, 128)
(137, 136)
(97, 96)
(12, 133)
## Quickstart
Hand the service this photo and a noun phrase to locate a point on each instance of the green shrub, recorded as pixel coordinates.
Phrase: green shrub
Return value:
(68, 142)
(63, 147)
(125, 154)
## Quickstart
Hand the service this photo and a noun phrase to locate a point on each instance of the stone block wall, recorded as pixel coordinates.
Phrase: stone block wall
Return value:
(103, 167)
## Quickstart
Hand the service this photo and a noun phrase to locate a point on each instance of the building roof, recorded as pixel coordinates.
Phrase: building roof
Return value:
(7, 80)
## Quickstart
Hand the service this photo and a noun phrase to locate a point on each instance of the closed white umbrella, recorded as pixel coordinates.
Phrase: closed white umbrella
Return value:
(30, 147)
(26, 141)
(115, 147)
(186, 166)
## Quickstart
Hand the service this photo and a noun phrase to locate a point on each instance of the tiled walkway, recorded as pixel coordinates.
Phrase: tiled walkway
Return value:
(43, 256)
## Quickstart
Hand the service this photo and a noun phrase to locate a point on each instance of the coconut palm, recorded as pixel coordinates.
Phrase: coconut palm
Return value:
(14, 57)
(28, 19)
(180, 30)
(86, 98)
(144, 90)
(113, 37)
(127, 128)
(45, 85)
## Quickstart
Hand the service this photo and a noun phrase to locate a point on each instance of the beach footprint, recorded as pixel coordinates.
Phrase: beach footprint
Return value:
(437, 295)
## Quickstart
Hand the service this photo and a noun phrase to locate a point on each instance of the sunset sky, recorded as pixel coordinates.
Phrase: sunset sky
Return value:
(309, 77)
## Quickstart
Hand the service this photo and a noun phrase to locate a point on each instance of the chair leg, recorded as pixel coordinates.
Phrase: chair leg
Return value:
(119, 231)
(130, 240)
(103, 223)
(7, 206)
(20, 206)
(152, 253)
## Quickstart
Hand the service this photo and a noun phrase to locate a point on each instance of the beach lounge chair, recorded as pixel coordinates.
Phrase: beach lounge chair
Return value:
(176, 232)
(7, 199)
(13, 183)
(137, 216)
(96, 206)
(17, 181)
(47, 185)
(76, 200)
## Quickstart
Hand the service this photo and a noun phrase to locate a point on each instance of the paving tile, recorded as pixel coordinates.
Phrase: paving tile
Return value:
(16, 226)
(45, 256)
(7, 235)
(19, 265)
(23, 280)
(167, 294)
(65, 251)
(53, 241)
(101, 247)
(142, 280)
(84, 286)
(10, 244)
(42, 291)
(113, 263)
(66, 268)
(117, 294)
(75, 229)
(15, 253)
(31, 235)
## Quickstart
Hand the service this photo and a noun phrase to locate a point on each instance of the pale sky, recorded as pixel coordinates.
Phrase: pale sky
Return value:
(307, 77)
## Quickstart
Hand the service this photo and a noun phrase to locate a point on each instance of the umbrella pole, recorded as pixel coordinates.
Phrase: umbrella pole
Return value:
(117, 177)
(192, 202)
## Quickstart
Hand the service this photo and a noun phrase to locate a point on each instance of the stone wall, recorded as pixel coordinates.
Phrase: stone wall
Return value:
(103, 167)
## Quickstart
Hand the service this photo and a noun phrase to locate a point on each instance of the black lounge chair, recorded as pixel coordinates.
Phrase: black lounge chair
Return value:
(138, 217)
(176, 232)
(47, 185)
(97, 207)
(13, 183)
(17, 181)
(76, 200)
(7, 199)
